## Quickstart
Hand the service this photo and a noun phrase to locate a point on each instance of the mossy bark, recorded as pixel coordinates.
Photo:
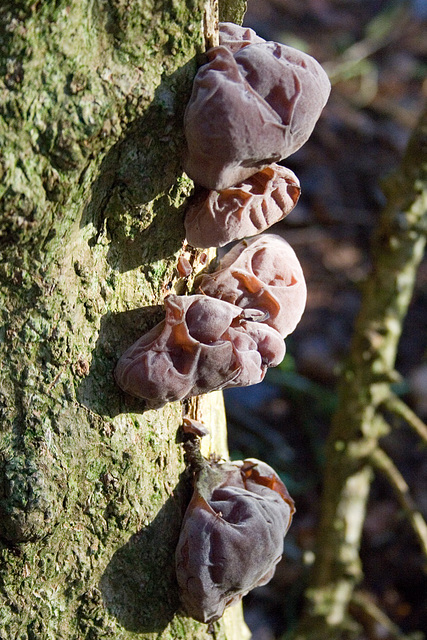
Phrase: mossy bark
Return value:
(92, 486)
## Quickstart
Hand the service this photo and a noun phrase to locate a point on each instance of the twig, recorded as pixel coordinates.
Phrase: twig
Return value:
(399, 408)
(382, 462)
(372, 618)
(350, 63)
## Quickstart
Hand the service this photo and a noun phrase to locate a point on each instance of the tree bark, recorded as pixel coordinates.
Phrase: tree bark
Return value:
(92, 486)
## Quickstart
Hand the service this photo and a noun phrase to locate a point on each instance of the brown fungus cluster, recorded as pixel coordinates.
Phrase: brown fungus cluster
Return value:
(232, 535)
(252, 102)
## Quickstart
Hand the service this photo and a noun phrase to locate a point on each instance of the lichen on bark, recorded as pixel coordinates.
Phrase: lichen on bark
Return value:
(92, 487)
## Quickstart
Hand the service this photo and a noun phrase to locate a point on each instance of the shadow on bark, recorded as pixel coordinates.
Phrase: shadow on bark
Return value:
(117, 332)
(31, 495)
(135, 199)
(139, 585)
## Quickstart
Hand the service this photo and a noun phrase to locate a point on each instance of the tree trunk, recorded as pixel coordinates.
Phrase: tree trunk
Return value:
(92, 487)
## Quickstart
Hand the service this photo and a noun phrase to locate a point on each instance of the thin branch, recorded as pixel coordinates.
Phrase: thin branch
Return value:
(382, 462)
(399, 408)
(373, 619)
(351, 62)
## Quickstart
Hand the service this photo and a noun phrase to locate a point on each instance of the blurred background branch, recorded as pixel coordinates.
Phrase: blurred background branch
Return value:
(397, 250)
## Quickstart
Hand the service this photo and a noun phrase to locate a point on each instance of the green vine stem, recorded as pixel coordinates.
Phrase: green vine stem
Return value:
(397, 250)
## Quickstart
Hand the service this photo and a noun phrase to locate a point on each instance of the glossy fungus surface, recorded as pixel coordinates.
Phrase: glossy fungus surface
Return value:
(232, 535)
(194, 427)
(215, 218)
(235, 37)
(251, 105)
(265, 274)
(203, 344)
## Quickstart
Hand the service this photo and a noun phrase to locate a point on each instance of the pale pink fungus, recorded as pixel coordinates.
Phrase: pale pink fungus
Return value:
(235, 37)
(215, 218)
(250, 108)
(203, 344)
(265, 274)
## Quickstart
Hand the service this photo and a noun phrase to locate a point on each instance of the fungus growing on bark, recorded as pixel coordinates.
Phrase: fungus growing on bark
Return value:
(194, 427)
(252, 104)
(215, 218)
(262, 273)
(235, 37)
(232, 535)
(203, 344)
(183, 267)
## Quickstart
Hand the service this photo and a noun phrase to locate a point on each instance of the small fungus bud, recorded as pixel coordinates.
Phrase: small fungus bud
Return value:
(183, 267)
(235, 37)
(232, 535)
(251, 105)
(203, 344)
(194, 427)
(215, 218)
(263, 273)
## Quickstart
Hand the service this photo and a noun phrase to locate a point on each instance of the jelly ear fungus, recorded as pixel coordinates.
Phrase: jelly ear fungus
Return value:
(202, 345)
(232, 535)
(215, 218)
(253, 103)
(261, 273)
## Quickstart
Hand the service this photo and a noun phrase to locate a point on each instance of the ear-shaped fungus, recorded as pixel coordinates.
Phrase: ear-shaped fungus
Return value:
(231, 537)
(250, 109)
(215, 218)
(202, 345)
(263, 273)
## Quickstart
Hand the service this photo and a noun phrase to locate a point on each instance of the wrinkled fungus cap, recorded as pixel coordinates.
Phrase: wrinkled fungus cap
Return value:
(250, 106)
(203, 344)
(263, 273)
(235, 37)
(215, 218)
(232, 535)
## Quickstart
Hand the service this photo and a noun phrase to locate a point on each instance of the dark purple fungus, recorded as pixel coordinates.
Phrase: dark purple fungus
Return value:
(203, 344)
(232, 535)
(250, 109)
(215, 218)
(265, 274)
